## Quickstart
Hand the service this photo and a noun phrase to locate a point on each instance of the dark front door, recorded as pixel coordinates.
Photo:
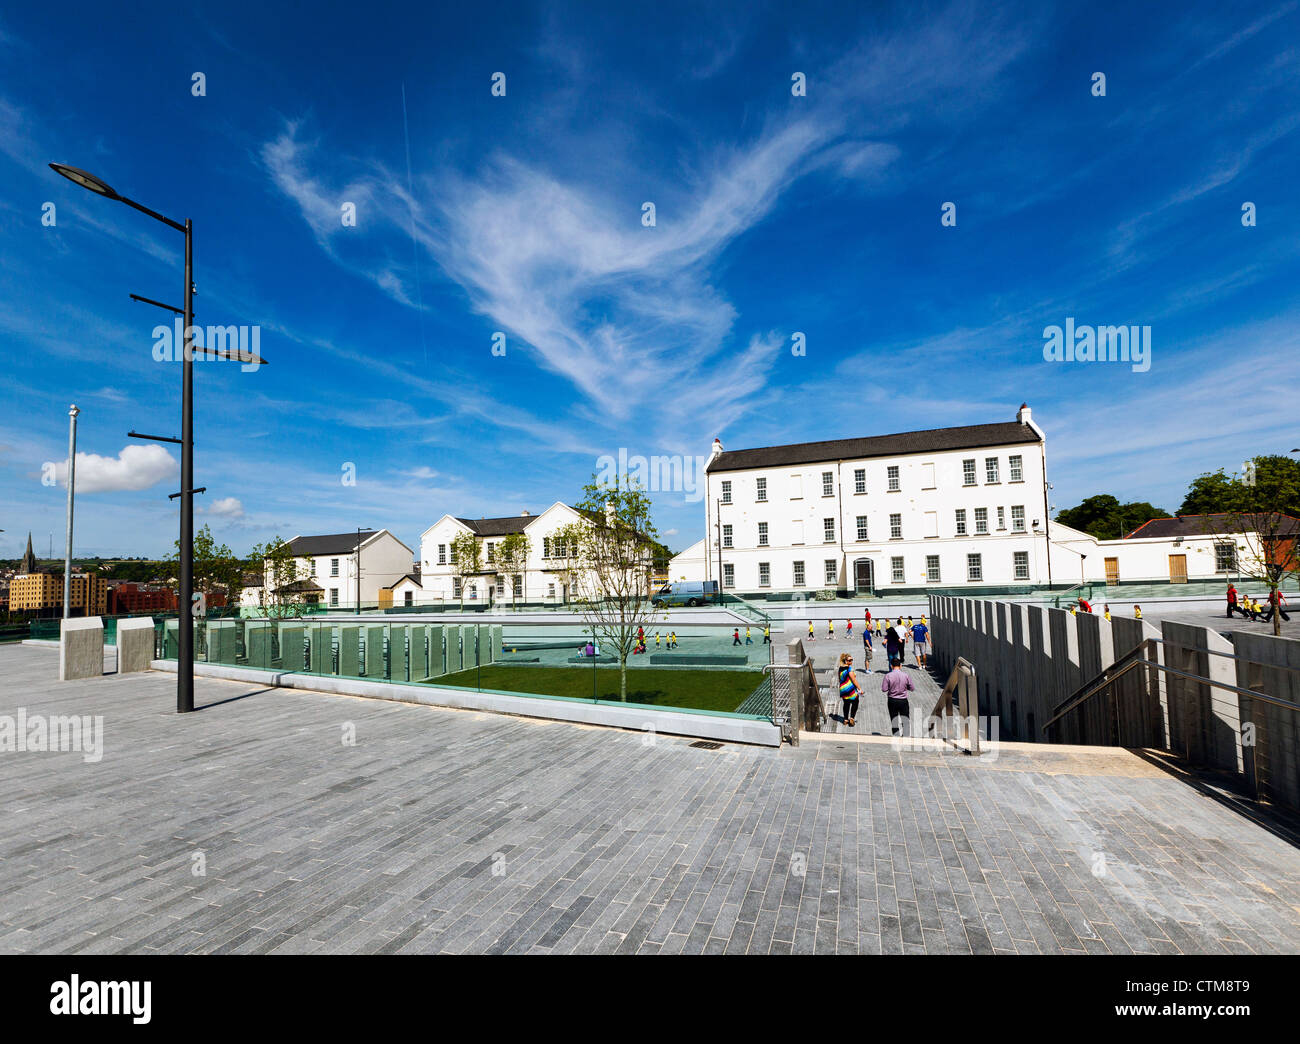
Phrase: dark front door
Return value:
(864, 580)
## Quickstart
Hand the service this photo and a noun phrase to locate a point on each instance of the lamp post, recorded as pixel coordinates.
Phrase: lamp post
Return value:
(72, 479)
(359, 532)
(185, 628)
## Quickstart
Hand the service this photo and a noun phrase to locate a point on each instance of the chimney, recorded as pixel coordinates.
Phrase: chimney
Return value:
(523, 514)
(1023, 414)
(609, 513)
(716, 451)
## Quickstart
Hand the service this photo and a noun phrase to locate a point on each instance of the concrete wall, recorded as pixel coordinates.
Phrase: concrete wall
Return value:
(1273, 759)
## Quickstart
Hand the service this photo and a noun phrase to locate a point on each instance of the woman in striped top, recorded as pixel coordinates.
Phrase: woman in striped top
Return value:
(850, 691)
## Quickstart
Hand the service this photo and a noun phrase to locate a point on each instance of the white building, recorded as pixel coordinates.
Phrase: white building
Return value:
(327, 568)
(949, 507)
(544, 577)
(689, 564)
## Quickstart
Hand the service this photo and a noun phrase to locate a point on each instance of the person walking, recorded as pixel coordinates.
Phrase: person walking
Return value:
(830, 628)
(735, 636)
(893, 645)
(748, 639)
(850, 690)
(1137, 612)
(672, 639)
(920, 642)
(866, 647)
(767, 634)
(1106, 610)
(811, 637)
(896, 685)
(1232, 600)
(848, 626)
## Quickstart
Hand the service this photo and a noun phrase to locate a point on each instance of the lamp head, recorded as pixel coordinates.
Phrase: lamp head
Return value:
(85, 179)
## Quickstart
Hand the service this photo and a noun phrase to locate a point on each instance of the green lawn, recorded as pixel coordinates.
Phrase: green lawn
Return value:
(702, 690)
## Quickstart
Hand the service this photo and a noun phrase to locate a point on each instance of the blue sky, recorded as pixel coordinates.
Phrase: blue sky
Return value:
(522, 214)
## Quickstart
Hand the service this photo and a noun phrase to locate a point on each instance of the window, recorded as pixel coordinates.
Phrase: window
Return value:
(726, 491)
(561, 548)
(1018, 517)
(1015, 466)
(859, 480)
(796, 487)
(311, 564)
(961, 521)
(726, 536)
(442, 554)
(491, 550)
(334, 567)
(1225, 558)
(501, 587)
(550, 590)
(927, 476)
(832, 572)
(895, 527)
(1022, 565)
(828, 530)
(796, 531)
(762, 534)
(760, 485)
(455, 587)
(334, 596)
(974, 570)
(932, 569)
(408, 598)
(990, 469)
(981, 520)
(828, 483)
(896, 569)
(968, 472)
(1002, 519)
(728, 575)
(519, 587)
(892, 473)
(862, 527)
(453, 554)
(546, 547)
(764, 574)
(798, 574)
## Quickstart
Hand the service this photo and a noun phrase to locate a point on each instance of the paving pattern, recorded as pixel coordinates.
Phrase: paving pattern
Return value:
(447, 831)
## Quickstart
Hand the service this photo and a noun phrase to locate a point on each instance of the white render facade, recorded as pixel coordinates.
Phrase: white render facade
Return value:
(330, 563)
(544, 578)
(947, 508)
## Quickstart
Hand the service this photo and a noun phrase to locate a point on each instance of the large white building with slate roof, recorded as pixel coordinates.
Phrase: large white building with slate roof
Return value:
(949, 507)
(327, 567)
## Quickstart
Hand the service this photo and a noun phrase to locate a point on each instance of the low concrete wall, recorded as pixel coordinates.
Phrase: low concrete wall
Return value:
(135, 639)
(639, 719)
(1272, 759)
(81, 648)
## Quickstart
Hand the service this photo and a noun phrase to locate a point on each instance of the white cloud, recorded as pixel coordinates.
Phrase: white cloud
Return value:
(226, 507)
(135, 468)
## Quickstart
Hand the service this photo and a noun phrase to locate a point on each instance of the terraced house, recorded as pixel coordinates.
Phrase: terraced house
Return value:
(949, 507)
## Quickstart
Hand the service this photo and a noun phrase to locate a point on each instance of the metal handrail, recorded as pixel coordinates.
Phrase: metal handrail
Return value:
(1100, 680)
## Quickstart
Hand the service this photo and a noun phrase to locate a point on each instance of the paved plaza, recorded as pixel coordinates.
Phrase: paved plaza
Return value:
(451, 831)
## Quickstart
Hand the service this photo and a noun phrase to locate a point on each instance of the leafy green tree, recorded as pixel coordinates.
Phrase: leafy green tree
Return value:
(1104, 517)
(216, 568)
(615, 549)
(279, 567)
(466, 560)
(1269, 482)
(512, 559)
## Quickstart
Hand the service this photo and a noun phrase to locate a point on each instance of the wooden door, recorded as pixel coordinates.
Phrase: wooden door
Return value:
(1112, 570)
(1178, 569)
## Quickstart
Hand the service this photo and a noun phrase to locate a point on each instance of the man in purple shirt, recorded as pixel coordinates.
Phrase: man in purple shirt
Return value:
(896, 685)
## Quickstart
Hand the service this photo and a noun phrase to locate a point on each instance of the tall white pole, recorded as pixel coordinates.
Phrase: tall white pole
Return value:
(72, 480)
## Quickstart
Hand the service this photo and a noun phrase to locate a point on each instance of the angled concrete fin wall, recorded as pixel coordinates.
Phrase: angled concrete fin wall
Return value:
(1272, 759)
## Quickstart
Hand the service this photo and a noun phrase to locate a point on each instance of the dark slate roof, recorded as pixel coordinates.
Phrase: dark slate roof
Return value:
(971, 436)
(329, 544)
(1203, 525)
(494, 527)
(409, 576)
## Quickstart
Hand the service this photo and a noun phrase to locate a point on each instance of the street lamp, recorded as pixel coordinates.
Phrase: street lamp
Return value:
(185, 625)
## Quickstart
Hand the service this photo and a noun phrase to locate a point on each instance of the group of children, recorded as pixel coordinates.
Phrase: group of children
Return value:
(1084, 606)
(640, 647)
(749, 637)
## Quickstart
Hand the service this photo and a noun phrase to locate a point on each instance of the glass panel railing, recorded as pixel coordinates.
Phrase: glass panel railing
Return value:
(704, 668)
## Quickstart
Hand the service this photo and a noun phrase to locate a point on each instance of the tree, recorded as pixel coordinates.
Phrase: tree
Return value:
(279, 568)
(512, 559)
(566, 543)
(1259, 521)
(1268, 483)
(1105, 518)
(215, 567)
(615, 548)
(465, 560)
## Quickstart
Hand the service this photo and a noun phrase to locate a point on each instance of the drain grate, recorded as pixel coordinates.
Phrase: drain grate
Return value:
(706, 745)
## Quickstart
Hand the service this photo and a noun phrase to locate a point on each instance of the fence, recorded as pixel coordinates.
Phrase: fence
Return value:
(1227, 704)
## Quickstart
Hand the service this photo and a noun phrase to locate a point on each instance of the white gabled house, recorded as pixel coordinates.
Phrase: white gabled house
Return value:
(327, 568)
(544, 578)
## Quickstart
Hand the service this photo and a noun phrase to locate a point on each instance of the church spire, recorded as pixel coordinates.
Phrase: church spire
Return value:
(28, 564)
